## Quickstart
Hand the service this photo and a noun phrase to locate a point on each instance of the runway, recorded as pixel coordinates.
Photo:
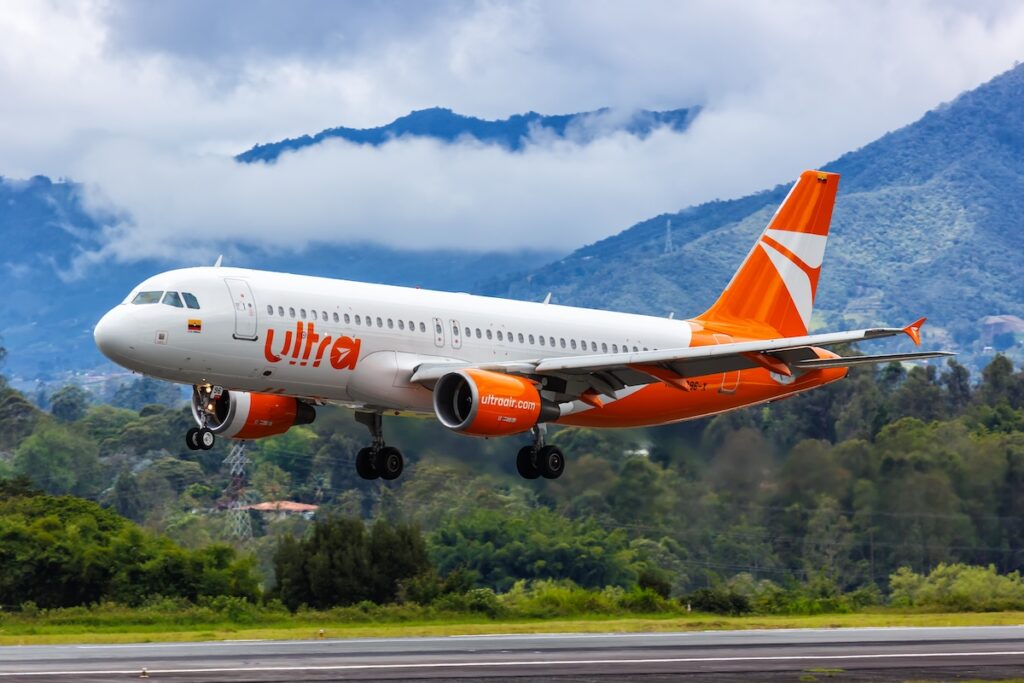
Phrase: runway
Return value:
(870, 654)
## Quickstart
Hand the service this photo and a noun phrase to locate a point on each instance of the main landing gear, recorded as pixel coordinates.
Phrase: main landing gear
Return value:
(378, 460)
(539, 460)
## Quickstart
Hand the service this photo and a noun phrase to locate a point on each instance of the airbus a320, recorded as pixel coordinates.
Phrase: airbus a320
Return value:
(263, 350)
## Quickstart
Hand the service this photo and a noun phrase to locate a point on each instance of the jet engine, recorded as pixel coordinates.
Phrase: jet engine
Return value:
(245, 415)
(484, 403)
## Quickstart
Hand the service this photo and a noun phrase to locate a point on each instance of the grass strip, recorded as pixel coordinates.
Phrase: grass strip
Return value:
(39, 630)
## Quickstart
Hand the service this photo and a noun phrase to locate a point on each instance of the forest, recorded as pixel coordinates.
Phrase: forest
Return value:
(858, 493)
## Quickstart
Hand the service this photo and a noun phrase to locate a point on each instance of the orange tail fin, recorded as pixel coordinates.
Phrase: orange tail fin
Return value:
(773, 292)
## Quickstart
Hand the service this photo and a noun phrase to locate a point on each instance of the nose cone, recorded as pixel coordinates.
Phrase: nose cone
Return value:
(115, 335)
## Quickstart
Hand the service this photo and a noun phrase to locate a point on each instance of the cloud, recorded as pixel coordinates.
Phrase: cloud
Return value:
(146, 105)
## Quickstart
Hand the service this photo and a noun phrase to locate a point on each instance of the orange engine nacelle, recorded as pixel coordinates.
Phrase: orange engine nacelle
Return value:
(484, 403)
(245, 415)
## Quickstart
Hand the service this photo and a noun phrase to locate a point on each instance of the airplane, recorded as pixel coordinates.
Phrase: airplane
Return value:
(263, 350)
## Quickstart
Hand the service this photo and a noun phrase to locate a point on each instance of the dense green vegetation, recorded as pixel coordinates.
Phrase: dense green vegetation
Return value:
(848, 496)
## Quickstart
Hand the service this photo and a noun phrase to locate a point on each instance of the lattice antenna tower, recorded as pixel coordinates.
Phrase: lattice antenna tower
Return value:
(239, 524)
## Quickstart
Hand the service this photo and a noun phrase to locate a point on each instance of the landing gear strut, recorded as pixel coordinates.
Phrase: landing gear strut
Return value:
(539, 460)
(378, 459)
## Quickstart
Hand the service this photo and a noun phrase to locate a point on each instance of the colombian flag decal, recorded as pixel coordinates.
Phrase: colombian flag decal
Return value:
(195, 325)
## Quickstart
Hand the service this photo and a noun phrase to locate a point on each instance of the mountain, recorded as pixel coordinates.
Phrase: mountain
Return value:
(48, 312)
(929, 220)
(511, 133)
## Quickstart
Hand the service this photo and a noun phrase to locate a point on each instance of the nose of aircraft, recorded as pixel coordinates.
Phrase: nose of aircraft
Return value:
(116, 333)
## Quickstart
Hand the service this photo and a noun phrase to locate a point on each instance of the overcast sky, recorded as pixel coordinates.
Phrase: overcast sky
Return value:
(146, 102)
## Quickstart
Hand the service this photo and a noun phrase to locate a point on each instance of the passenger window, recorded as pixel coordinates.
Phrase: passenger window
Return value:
(369, 321)
(359, 320)
(542, 341)
(323, 316)
(531, 339)
(147, 298)
(489, 336)
(391, 324)
(455, 330)
(380, 323)
(423, 328)
(604, 347)
(572, 343)
(412, 326)
(562, 341)
(593, 346)
(615, 348)
(437, 328)
(499, 336)
(401, 324)
(521, 338)
(336, 318)
(190, 300)
(280, 311)
(635, 349)
(270, 310)
(469, 333)
(312, 314)
(478, 333)
(291, 312)
(302, 313)
(348, 319)
(552, 340)
(172, 299)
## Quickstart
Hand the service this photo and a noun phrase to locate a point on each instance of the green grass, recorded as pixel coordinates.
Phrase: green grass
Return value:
(118, 626)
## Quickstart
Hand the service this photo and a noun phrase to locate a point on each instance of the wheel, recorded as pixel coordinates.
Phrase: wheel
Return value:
(389, 463)
(364, 464)
(192, 439)
(205, 439)
(551, 462)
(526, 463)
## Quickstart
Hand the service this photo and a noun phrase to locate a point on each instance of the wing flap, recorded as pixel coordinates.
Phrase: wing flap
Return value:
(819, 363)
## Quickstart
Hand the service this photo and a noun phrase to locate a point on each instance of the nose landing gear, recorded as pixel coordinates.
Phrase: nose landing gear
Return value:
(200, 439)
(378, 460)
(540, 460)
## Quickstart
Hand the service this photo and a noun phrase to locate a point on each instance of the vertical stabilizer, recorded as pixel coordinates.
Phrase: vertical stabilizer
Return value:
(772, 293)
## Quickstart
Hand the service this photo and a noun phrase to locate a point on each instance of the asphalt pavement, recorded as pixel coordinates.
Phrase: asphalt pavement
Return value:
(869, 654)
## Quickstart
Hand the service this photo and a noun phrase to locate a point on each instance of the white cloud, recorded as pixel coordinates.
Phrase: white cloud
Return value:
(148, 111)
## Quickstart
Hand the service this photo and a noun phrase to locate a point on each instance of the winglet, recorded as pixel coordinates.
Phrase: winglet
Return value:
(913, 330)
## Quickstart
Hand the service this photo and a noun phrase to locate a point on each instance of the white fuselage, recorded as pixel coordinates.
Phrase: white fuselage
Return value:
(237, 337)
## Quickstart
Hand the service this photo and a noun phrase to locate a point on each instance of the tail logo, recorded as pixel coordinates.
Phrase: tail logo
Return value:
(797, 256)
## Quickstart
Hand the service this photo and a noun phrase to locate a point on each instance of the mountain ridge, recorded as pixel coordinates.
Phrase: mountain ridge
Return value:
(512, 133)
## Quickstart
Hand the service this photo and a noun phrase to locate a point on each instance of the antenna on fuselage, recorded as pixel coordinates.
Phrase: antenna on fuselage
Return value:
(218, 262)
(547, 299)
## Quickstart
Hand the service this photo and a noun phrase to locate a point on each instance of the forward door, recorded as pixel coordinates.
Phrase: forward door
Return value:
(245, 308)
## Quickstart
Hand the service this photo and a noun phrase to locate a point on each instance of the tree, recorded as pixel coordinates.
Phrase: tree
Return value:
(59, 460)
(146, 391)
(69, 403)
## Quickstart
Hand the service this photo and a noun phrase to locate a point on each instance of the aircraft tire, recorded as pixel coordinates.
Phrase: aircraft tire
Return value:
(388, 462)
(364, 464)
(526, 463)
(551, 462)
(206, 439)
(192, 439)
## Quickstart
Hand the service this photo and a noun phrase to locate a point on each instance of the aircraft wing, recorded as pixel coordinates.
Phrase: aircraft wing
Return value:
(607, 373)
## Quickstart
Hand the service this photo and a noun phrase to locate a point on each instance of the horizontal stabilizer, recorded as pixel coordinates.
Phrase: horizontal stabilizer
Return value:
(819, 363)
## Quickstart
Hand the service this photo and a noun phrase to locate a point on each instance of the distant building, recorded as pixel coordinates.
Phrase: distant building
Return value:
(279, 509)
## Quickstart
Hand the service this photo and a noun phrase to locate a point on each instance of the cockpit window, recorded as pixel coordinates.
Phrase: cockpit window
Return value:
(147, 298)
(190, 300)
(172, 299)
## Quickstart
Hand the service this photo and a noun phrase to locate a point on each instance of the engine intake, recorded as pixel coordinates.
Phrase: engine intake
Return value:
(484, 403)
(246, 415)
